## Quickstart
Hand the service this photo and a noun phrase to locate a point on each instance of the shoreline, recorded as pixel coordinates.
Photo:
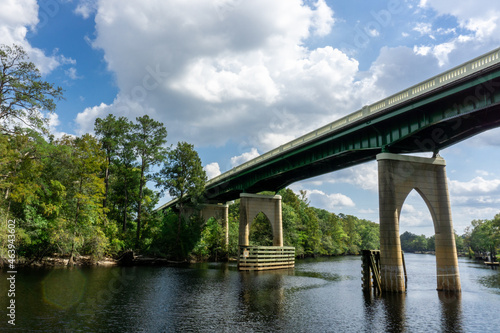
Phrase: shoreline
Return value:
(126, 259)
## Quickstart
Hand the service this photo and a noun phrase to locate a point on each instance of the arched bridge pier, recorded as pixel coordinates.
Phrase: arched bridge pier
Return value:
(398, 176)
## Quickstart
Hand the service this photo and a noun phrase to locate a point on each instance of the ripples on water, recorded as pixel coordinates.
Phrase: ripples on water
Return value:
(319, 295)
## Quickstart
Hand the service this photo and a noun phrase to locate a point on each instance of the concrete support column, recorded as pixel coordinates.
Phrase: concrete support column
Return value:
(253, 204)
(219, 212)
(398, 176)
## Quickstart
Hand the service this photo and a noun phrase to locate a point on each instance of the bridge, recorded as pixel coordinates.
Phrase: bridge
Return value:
(426, 117)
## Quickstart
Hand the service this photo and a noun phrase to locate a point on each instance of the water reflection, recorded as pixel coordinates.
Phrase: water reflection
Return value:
(318, 296)
(451, 311)
(395, 311)
(387, 311)
(263, 293)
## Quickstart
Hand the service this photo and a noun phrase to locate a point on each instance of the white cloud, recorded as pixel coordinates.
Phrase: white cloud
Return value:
(478, 198)
(363, 176)
(86, 8)
(423, 28)
(332, 202)
(225, 68)
(401, 67)
(245, 157)
(272, 140)
(373, 32)
(477, 185)
(72, 74)
(17, 17)
(54, 122)
(86, 119)
(212, 170)
(478, 21)
(322, 20)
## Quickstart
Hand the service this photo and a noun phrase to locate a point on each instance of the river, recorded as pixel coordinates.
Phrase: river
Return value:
(319, 295)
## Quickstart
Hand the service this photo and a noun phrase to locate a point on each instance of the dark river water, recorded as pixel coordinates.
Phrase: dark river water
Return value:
(319, 295)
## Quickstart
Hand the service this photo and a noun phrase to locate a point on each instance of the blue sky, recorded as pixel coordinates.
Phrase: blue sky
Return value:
(237, 78)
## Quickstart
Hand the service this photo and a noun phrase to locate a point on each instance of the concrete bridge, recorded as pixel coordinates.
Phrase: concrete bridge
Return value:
(427, 117)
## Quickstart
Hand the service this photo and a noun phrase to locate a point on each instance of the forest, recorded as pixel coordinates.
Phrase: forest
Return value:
(479, 238)
(95, 194)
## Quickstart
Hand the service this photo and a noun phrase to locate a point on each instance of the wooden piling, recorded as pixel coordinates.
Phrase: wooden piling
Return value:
(371, 271)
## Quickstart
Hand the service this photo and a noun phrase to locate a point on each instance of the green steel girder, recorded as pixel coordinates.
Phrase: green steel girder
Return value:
(430, 122)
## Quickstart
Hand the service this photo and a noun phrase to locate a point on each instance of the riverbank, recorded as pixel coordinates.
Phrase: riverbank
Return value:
(126, 259)
(56, 260)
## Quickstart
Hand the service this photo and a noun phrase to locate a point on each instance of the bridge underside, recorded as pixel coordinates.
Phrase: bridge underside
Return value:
(430, 123)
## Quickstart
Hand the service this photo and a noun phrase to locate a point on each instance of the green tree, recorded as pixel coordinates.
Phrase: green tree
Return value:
(350, 225)
(261, 232)
(23, 93)
(148, 138)
(212, 241)
(183, 177)
(483, 235)
(126, 181)
(370, 235)
(84, 214)
(112, 133)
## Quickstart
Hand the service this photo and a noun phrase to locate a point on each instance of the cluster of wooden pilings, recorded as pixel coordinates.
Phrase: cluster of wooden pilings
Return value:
(370, 270)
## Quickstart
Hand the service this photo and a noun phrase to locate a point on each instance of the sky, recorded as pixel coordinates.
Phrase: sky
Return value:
(237, 78)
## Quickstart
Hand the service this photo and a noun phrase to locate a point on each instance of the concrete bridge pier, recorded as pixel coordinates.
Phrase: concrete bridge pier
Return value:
(218, 211)
(398, 176)
(253, 204)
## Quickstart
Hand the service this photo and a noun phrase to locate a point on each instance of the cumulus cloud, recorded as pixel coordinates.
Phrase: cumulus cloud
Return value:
(332, 202)
(16, 19)
(477, 23)
(54, 122)
(86, 7)
(86, 119)
(363, 176)
(19, 17)
(245, 157)
(477, 185)
(415, 216)
(322, 19)
(400, 67)
(214, 71)
(212, 170)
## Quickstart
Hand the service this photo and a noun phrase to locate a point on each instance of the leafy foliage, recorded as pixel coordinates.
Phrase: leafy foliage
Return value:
(183, 177)
(483, 236)
(23, 93)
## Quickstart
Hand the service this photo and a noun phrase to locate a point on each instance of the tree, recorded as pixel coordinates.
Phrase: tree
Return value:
(183, 177)
(125, 187)
(19, 166)
(23, 93)
(112, 133)
(149, 136)
(84, 215)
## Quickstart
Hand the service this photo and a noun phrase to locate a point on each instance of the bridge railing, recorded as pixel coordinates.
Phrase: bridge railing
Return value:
(487, 60)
